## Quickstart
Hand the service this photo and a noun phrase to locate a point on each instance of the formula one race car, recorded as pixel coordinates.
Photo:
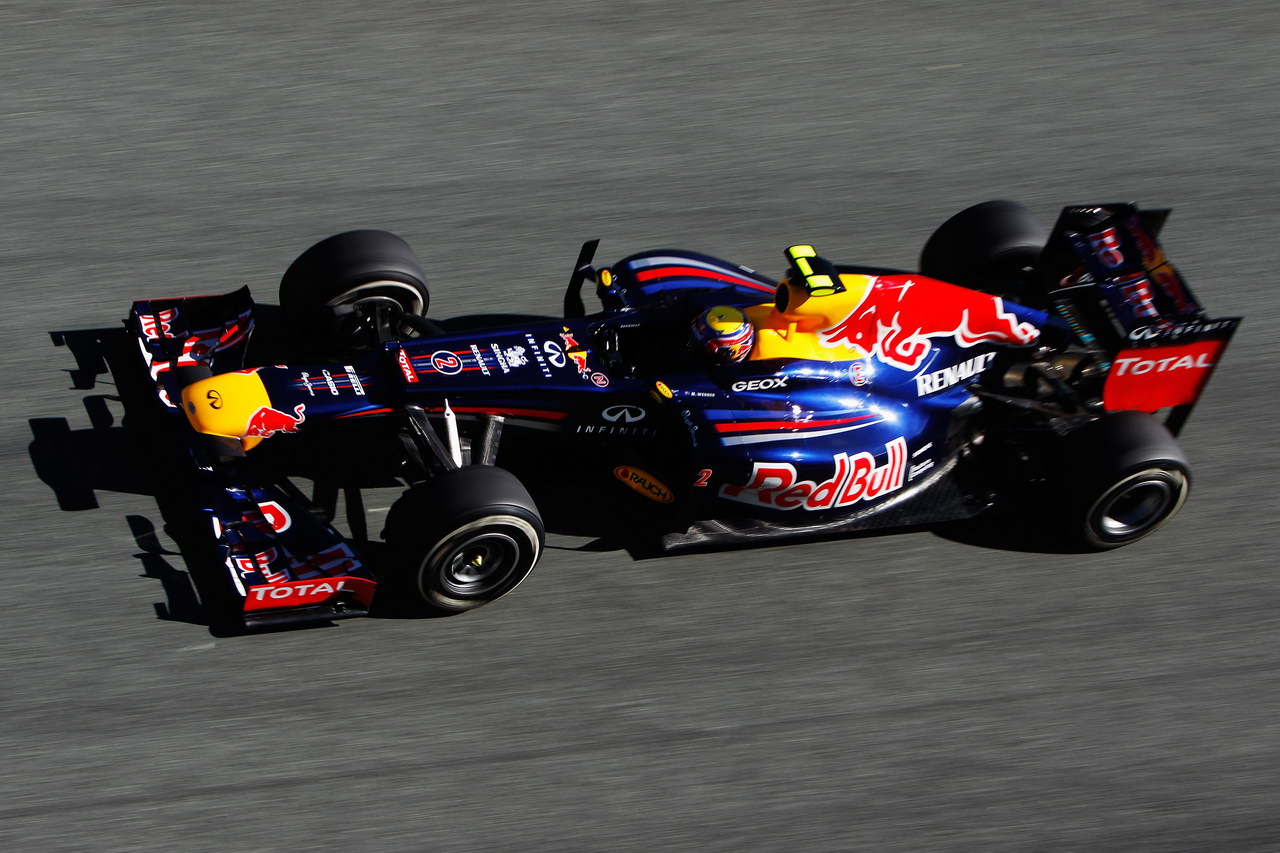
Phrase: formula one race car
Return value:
(705, 404)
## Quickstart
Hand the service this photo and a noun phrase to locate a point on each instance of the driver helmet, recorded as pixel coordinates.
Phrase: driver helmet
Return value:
(724, 332)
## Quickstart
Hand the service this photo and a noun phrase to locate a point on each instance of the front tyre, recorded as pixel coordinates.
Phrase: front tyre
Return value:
(1119, 479)
(461, 540)
(340, 271)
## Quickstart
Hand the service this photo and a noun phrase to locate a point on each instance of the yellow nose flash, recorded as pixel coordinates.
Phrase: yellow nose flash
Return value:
(224, 404)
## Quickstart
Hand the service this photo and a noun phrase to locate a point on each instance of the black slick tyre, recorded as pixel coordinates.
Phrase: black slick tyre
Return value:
(342, 269)
(1119, 479)
(986, 247)
(459, 541)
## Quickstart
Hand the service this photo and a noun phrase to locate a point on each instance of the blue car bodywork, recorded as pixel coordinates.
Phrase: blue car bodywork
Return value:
(898, 399)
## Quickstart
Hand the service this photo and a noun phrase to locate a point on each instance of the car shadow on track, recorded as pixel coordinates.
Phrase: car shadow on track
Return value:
(1009, 533)
(78, 464)
(132, 454)
(998, 533)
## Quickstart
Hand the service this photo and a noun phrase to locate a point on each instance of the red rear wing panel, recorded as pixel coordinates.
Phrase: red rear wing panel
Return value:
(1150, 378)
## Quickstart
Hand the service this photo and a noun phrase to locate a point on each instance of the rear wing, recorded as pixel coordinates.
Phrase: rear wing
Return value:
(1106, 274)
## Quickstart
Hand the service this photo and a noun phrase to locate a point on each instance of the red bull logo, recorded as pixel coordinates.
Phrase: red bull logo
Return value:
(158, 325)
(334, 560)
(1106, 247)
(259, 563)
(897, 317)
(268, 421)
(276, 515)
(1137, 290)
(857, 478)
(576, 352)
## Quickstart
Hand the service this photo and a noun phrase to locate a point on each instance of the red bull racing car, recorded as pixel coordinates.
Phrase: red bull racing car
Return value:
(705, 404)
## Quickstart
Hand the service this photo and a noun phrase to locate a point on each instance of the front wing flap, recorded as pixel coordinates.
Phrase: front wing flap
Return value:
(201, 333)
(286, 564)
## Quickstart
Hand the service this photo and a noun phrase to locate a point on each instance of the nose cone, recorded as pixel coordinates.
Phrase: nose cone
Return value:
(225, 404)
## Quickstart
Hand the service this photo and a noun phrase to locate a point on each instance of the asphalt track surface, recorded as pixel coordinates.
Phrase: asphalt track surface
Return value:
(905, 692)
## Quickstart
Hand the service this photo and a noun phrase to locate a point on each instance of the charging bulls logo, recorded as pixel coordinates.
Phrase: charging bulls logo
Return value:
(577, 353)
(268, 421)
(897, 317)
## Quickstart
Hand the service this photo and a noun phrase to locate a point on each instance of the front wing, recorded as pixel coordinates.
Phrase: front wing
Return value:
(285, 564)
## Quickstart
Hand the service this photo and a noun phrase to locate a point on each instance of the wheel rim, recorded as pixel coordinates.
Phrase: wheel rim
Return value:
(407, 295)
(482, 559)
(1137, 505)
(480, 564)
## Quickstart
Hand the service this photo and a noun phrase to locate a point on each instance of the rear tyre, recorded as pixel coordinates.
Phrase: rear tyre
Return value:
(343, 269)
(987, 247)
(460, 540)
(1119, 479)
